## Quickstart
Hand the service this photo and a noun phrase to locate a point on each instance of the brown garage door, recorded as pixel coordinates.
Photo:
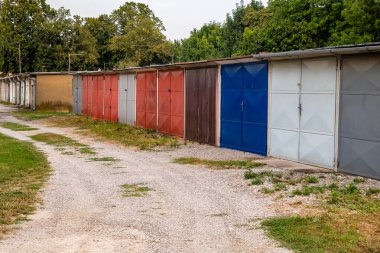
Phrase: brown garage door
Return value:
(201, 105)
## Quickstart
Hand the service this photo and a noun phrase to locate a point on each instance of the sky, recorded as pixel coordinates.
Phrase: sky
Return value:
(179, 16)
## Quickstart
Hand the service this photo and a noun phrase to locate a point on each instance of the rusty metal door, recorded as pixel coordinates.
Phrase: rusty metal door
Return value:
(201, 105)
(111, 98)
(171, 102)
(146, 100)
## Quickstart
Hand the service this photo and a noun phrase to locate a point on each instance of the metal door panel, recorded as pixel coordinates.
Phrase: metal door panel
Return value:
(131, 100)
(114, 98)
(286, 76)
(360, 118)
(317, 149)
(177, 102)
(164, 102)
(360, 157)
(284, 111)
(141, 99)
(318, 113)
(94, 103)
(232, 77)
(363, 70)
(101, 98)
(231, 113)
(254, 138)
(284, 144)
(193, 80)
(79, 96)
(151, 108)
(75, 94)
(319, 75)
(107, 98)
(123, 93)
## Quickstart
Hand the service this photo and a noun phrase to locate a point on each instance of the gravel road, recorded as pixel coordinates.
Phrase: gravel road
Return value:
(191, 208)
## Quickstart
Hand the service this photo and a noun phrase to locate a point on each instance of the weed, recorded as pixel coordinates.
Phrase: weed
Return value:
(87, 151)
(257, 181)
(312, 180)
(358, 180)
(308, 190)
(373, 191)
(17, 127)
(267, 190)
(280, 187)
(68, 153)
(23, 170)
(135, 190)
(215, 164)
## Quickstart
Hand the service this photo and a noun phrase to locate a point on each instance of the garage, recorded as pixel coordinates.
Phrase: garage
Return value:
(244, 107)
(171, 102)
(87, 95)
(303, 110)
(359, 138)
(146, 99)
(127, 99)
(200, 102)
(77, 94)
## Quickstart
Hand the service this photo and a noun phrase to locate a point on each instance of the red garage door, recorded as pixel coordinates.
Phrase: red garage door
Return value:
(146, 100)
(171, 102)
(111, 98)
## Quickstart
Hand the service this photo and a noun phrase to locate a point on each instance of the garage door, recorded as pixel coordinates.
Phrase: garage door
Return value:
(360, 118)
(201, 105)
(303, 111)
(127, 99)
(146, 100)
(77, 94)
(111, 98)
(171, 102)
(244, 107)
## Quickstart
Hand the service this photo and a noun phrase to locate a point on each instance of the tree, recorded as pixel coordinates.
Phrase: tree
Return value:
(139, 39)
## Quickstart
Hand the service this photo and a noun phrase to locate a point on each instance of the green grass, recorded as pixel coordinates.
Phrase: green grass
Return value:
(29, 115)
(17, 127)
(217, 164)
(23, 170)
(126, 135)
(312, 180)
(315, 234)
(104, 159)
(87, 151)
(135, 190)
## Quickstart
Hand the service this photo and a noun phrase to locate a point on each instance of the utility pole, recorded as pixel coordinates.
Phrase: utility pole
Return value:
(19, 56)
(70, 60)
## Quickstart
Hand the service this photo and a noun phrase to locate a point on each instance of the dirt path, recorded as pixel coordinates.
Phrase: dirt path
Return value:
(191, 209)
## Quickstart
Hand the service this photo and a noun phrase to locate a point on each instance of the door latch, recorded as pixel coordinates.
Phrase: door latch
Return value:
(242, 106)
(300, 108)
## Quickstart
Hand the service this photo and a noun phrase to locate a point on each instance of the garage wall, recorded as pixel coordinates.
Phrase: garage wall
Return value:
(77, 94)
(201, 105)
(303, 111)
(111, 98)
(360, 118)
(54, 90)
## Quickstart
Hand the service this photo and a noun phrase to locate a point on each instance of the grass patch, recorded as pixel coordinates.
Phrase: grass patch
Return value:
(61, 141)
(144, 139)
(312, 180)
(5, 103)
(57, 140)
(17, 127)
(308, 190)
(104, 159)
(135, 190)
(315, 234)
(23, 170)
(228, 164)
(29, 115)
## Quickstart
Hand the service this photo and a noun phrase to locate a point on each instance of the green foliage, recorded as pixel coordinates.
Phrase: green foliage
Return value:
(286, 25)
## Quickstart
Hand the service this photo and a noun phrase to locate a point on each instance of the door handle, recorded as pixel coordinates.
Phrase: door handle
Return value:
(300, 109)
(242, 106)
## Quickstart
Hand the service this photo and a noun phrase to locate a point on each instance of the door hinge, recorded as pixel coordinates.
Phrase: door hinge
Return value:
(300, 109)
(242, 105)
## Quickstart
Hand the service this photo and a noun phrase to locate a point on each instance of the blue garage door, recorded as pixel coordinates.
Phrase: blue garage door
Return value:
(244, 112)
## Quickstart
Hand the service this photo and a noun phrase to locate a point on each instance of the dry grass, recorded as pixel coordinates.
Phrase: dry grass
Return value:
(17, 127)
(126, 135)
(135, 190)
(23, 170)
(29, 115)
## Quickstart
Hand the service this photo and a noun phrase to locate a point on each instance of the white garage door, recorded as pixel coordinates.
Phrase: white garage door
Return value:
(302, 119)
